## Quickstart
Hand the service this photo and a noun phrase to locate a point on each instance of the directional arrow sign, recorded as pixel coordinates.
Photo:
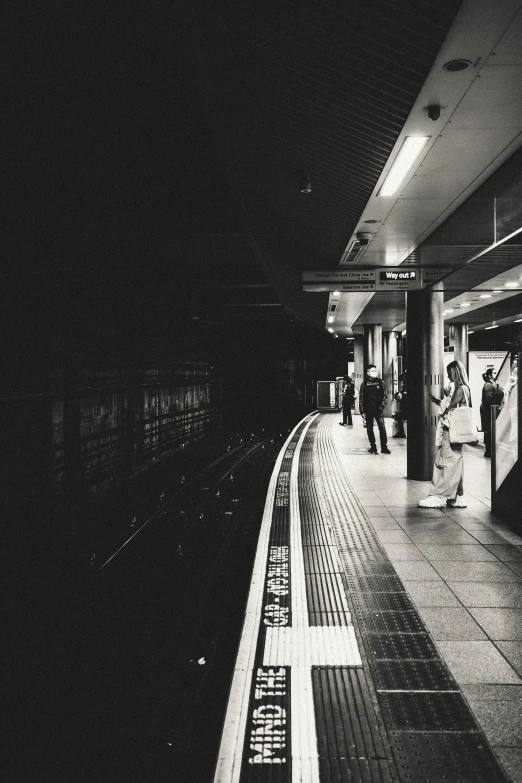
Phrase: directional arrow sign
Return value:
(374, 279)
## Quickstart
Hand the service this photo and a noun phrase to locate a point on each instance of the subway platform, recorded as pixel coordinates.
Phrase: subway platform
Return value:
(381, 641)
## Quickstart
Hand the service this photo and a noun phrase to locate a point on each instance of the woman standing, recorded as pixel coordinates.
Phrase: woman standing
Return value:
(447, 485)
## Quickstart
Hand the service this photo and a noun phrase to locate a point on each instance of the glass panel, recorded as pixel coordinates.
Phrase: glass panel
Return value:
(506, 436)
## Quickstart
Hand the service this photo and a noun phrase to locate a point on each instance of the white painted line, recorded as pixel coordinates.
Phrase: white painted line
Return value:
(230, 756)
(307, 645)
(329, 645)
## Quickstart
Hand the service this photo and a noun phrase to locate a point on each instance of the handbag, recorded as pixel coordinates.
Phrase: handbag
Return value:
(462, 427)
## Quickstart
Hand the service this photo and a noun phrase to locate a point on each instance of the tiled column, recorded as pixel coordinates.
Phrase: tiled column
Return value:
(389, 352)
(425, 346)
(358, 363)
(458, 337)
(372, 334)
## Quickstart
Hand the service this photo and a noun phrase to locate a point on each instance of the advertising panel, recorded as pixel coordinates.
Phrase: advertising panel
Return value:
(479, 362)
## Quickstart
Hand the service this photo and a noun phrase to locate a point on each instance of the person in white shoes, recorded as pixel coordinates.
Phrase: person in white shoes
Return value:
(447, 484)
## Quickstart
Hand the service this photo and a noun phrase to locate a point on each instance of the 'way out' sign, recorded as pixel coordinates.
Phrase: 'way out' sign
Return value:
(375, 279)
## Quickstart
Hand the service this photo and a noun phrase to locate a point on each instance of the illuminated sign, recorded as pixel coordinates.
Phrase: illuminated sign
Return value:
(376, 279)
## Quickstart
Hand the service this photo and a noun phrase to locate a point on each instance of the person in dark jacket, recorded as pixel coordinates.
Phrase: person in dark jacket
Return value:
(348, 401)
(372, 400)
(401, 415)
(492, 394)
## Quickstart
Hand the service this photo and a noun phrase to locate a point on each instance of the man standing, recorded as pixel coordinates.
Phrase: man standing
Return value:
(372, 400)
(348, 401)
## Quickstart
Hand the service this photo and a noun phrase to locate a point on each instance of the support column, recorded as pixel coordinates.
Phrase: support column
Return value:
(389, 352)
(358, 365)
(458, 337)
(425, 346)
(372, 334)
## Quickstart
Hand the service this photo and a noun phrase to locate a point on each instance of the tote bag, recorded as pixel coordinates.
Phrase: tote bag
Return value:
(462, 427)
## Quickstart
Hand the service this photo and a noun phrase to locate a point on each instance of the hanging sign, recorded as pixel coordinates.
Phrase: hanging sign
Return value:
(373, 279)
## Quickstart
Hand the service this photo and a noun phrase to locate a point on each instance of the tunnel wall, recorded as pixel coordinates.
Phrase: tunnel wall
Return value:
(95, 428)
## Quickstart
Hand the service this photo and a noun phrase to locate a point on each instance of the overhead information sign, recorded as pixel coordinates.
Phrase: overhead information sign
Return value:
(375, 279)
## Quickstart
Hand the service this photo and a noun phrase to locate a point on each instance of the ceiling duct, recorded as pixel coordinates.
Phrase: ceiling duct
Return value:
(356, 247)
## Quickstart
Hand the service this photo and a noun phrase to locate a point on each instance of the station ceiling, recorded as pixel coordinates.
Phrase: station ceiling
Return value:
(154, 159)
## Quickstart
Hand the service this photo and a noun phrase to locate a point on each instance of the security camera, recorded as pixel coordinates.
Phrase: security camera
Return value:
(434, 112)
(364, 237)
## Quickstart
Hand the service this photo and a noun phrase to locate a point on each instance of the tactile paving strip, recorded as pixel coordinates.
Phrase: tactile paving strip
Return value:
(350, 742)
(377, 583)
(323, 592)
(417, 695)
(329, 618)
(427, 675)
(426, 711)
(390, 622)
(444, 758)
(372, 602)
(413, 646)
(321, 560)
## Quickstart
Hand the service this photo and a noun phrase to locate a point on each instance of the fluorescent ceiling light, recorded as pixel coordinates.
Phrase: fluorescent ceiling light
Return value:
(497, 291)
(470, 331)
(330, 319)
(511, 284)
(336, 293)
(465, 304)
(403, 332)
(518, 320)
(485, 296)
(491, 327)
(406, 157)
(330, 330)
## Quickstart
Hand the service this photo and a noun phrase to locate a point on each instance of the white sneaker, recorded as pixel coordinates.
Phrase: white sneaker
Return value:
(432, 501)
(459, 502)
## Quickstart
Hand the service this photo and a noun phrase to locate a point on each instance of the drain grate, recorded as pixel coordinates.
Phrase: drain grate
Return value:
(391, 622)
(419, 711)
(412, 676)
(444, 758)
(412, 645)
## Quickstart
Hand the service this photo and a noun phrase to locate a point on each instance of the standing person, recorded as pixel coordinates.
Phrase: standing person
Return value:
(488, 399)
(447, 484)
(372, 399)
(402, 413)
(348, 401)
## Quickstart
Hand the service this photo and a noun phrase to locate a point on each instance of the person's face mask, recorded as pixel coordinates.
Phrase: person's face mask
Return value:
(372, 373)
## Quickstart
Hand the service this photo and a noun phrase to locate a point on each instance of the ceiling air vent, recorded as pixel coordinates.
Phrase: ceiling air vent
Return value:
(356, 248)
